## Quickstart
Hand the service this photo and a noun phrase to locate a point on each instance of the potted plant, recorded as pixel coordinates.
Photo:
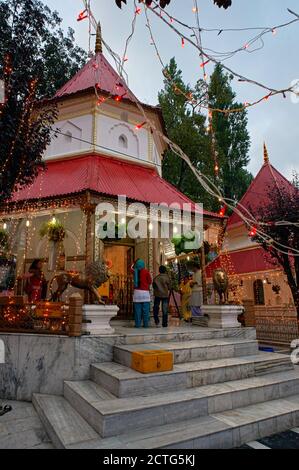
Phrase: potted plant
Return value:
(54, 230)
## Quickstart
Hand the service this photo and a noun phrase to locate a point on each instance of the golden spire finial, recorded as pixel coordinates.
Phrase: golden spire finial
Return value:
(266, 155)
(99, 45)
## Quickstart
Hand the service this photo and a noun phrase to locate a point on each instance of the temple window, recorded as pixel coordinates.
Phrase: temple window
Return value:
(258, 290)
(123, 141)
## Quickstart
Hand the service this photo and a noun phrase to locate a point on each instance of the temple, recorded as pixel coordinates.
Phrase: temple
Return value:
(103, 149)
(258, 282)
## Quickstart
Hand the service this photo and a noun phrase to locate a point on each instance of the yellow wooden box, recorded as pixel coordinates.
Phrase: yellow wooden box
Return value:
(152, 361)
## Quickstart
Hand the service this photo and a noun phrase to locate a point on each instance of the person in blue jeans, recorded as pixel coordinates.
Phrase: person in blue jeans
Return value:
(141, 297)
(162, 286)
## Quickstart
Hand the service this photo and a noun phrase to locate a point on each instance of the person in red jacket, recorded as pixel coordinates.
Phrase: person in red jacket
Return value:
(36, 286)
(141, 297)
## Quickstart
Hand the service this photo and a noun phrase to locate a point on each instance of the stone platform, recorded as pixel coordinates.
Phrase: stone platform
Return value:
(221, 393)
(37, 363)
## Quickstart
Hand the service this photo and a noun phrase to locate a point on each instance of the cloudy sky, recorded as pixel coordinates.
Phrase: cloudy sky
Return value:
(275, 65)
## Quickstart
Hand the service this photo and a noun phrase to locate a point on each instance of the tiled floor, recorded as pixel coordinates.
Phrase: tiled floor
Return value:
(21, 428)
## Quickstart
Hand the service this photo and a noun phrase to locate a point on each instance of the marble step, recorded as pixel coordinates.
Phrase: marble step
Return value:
(122, 381)
(64, 425)
(223, 430)
(110, 416)
(184, 333)
(191, 351)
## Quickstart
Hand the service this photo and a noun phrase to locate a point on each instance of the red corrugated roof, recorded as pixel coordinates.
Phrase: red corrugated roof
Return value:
(105, 176)
(242, 262)
(257, 195)
(97, 71)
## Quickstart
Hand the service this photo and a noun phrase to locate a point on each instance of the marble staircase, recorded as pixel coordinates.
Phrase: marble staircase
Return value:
(221, 393)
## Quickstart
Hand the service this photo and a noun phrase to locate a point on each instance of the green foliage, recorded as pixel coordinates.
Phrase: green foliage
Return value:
(232, 137)
(54, 230)
(179, 243)
(35, 59)
(40, 50)
(186, 126)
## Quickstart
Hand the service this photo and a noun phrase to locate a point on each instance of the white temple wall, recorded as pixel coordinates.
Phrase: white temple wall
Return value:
(74, 128)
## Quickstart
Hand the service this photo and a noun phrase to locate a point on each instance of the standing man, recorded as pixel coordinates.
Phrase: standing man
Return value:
(196, 300)
(141, 297)
(162, 286)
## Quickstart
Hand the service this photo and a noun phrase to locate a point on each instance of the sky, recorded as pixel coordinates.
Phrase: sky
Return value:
(274, 121)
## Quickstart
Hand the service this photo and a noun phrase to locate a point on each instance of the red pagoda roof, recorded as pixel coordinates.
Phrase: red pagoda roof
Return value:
(103, 175)
(257, 194)
(98, 72)
(242, 262)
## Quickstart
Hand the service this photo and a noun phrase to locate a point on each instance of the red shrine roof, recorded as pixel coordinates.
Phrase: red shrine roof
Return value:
(103, 175)
(97, 71)
(257, 194)
(242, 262)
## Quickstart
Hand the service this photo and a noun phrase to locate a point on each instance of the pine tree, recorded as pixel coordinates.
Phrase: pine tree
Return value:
(185, 126)
(35, 59)
(231, 134)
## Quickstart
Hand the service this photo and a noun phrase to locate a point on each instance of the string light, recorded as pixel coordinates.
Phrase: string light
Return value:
(139, 126)
(82, 15)
(222, 211)
(252, 232)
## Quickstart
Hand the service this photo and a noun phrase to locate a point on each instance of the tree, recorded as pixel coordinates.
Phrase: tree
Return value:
(283, 205)
(186, 127)
(35, 60)
(231, 135)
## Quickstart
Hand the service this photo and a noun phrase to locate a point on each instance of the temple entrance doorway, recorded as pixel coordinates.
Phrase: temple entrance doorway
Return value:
(119, 289)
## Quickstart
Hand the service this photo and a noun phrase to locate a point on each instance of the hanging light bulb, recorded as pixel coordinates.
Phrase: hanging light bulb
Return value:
(139, 126)
(82, 15)
(5, 226)
(252, 232)
(27, 223)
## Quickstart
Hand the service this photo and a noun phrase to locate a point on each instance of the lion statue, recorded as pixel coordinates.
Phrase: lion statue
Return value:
(96, 274)
(220, 281)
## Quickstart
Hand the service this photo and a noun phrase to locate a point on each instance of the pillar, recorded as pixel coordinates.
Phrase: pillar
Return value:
(89, 210)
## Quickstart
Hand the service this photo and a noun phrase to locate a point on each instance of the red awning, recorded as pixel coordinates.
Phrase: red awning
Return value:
(242, 262)
(103, 175)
